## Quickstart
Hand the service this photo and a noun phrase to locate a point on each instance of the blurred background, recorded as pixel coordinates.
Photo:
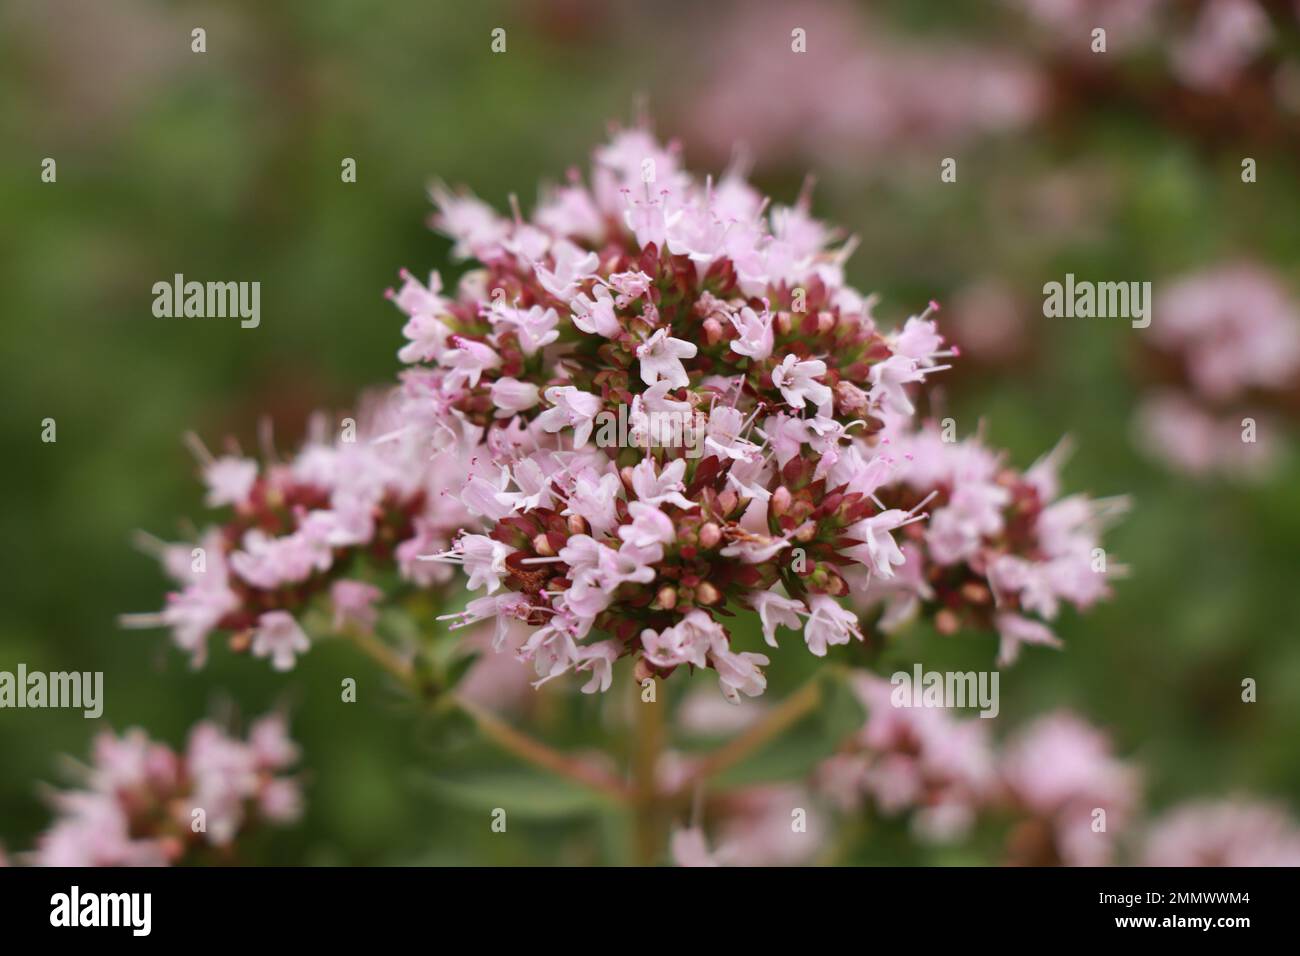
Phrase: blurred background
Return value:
(1122, 166)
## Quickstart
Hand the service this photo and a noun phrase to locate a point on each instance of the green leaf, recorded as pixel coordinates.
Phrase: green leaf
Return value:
(521, 794)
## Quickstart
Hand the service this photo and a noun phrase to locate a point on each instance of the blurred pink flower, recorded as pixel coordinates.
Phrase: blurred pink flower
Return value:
(498, 679)
(1235, 327)
(1187, 438)
(1227, 35)
(1236, 832)
(146, 805)
(354, 604)
(854, 90)
(705, 713)
(770, 825)
(1068, 24)
(917, 760)
(1232, 333)
(1060, 772)
(988, 322)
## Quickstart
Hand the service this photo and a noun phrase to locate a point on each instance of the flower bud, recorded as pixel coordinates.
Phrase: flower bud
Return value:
(781, 501)
(710, 535)
(852, 400)
(706, 593)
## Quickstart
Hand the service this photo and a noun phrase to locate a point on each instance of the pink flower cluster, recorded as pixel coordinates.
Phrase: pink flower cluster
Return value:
(144, 804)
(1226, 344)
(346, 508)
(793, 106)
(1002, 550)
(1056, 786)
(764, 825)
(918, 760)
(771, 462)
(1049, 780)
(1234, 832)
(1210, 45)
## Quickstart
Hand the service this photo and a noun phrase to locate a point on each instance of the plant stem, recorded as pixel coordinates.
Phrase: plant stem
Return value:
(648, 745)
(384, 656)
(541, 755)
(648, 805)
(513, 741)
(785, 715)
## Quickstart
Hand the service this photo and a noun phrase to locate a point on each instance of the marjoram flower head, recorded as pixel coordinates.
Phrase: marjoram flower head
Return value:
(676, 412)
(144, 804)
(649, 411)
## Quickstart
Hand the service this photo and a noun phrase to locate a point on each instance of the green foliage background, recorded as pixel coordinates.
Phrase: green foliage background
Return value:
(226, 165)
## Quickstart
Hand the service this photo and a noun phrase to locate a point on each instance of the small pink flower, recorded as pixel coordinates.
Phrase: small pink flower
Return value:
(649, 527)
(472, 223)
(879, 551)
(229, 480)
(828, 624)
(737, 673)
(755, 334)
(354, 604)
(571, 409)
(598, 658)
(776, 610)
(688, 642)
(1015, 630)
(595, 314)
(573, 265)
(661, 358)
(662, 488)
(630, 286)
(512, 396)
(889, 381)
(279, 637)
(595, 501)
(467, 361)
(534, 328)
(483, 558)
(798, 382)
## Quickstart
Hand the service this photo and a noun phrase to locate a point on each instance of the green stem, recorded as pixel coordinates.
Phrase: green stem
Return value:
(542, 755)
(648, 744)
(642, 795)
(513, 741)
(781, 718)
